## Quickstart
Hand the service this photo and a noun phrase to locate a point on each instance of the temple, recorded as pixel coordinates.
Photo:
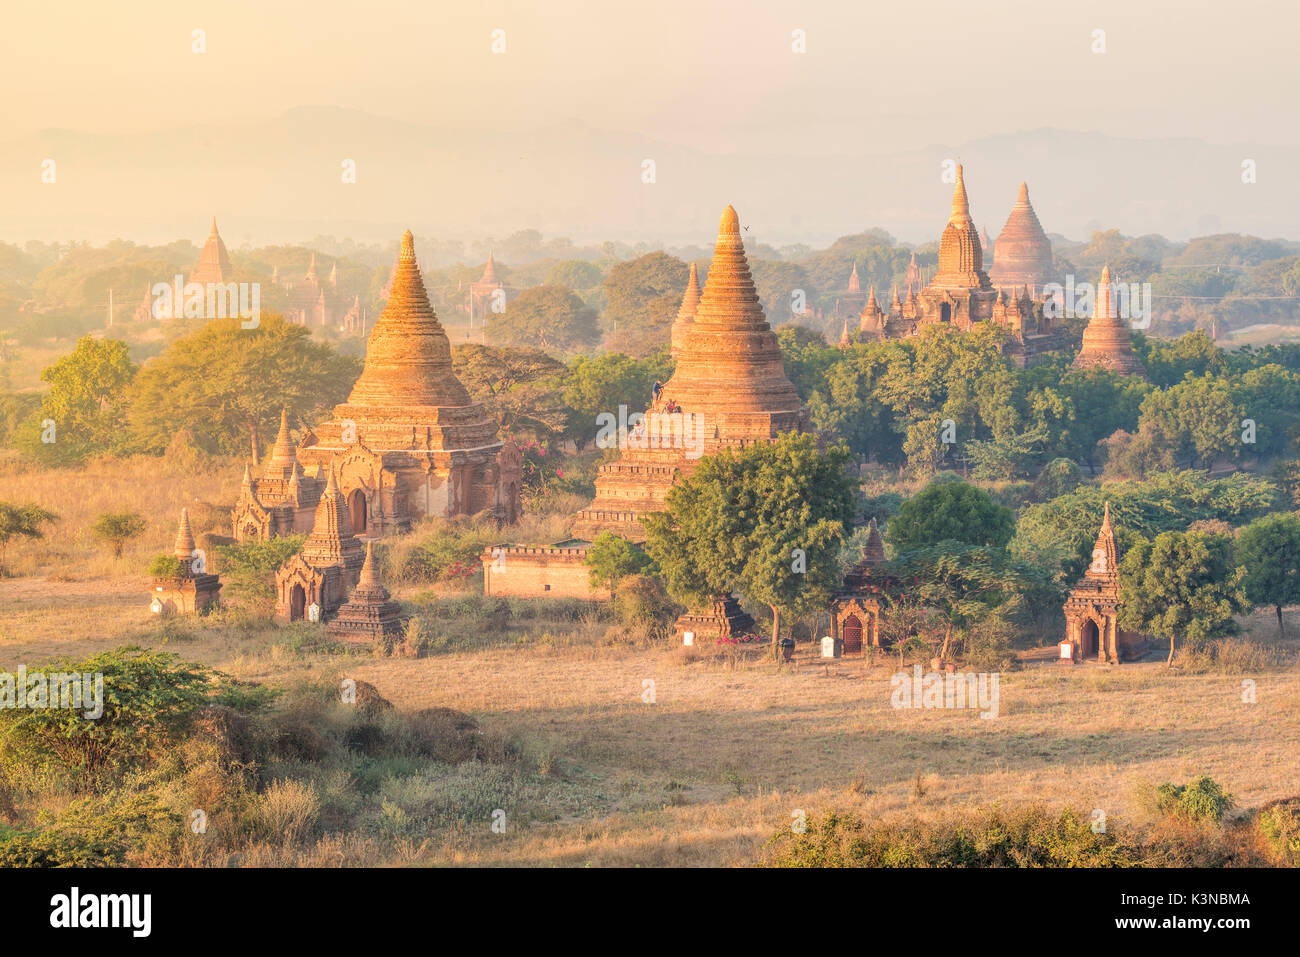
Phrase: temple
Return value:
(960, 294)
(1107, 341)
(1092, 609)
(313, 302)
(329, 564)
(729, 389)
(850, 302)
(194, 589)
(488, 294)
(856, 607)
(408, 443)
(213, 266)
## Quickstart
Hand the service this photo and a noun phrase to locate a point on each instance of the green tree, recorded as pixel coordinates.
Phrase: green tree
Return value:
(1181, 585)
(117, 528)
(521, 387)
(227, 385)
(86, 402)
(21, 521)
(642, 296)
(767, 520)
(611, 558)
(1268, 549)
(951, 511)
(544, 317)
(600, 384)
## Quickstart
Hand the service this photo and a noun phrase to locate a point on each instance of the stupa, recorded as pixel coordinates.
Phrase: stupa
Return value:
(214, 260)
(194, 589)
(856, 607)
(369, 614)
(409, 442)
(686, 314)
(1023, 251)
(1107, 341)
(729, 389)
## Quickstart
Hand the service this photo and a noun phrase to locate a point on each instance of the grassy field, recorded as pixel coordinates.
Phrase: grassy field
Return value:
(698, 768)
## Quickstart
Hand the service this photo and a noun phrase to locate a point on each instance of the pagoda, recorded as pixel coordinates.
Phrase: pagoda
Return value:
(281, 500)
(194, 589)
(369, 614)
(410, 442)
(328, 565)
(1024, 253)
(1092, 608)
(856, 607)
(214, 260)
(1107, 341)
(686, 314)
(729, 389)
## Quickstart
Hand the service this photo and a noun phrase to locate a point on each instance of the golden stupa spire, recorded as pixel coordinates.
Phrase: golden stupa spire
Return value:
(184, 548)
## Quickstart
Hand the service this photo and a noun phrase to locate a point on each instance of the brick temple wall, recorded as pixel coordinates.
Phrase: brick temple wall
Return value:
(538, 571)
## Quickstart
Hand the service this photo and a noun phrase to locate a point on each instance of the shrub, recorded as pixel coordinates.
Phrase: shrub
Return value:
(166, 566)
(117, 528)
(289, 810)
(1280, 824)
(1202, 800)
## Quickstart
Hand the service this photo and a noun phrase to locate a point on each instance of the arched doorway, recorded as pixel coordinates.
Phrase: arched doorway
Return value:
(297, 603)
(852, 634)
(945, 313)
(357, 511)
(1088, 636)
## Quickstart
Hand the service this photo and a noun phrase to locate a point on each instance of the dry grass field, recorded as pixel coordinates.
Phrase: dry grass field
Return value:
(722, 753)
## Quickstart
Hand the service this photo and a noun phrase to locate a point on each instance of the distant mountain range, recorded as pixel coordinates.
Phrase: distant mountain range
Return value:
(280, 180)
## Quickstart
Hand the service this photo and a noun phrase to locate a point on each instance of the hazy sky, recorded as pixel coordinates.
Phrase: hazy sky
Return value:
(719, 75)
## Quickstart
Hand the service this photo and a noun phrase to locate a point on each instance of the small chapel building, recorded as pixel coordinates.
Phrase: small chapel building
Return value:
(1092, 629)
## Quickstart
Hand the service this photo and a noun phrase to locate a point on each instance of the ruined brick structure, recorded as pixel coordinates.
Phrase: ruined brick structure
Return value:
(369, 614)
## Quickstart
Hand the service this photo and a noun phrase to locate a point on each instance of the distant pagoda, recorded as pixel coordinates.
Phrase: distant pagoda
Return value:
(1023, 252)
(1107, 341)
(686, 314)
(214, 260)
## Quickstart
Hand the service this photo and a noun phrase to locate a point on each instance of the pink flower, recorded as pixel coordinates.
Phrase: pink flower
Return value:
(560, 472)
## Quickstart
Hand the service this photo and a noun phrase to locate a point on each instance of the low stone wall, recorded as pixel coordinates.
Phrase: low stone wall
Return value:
(538, 571)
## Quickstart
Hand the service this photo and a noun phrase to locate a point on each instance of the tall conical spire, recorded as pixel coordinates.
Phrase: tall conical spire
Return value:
(845, 341)
(369, 571)
(1104, 306)
(248, 477)
(960, 215)
(1105, 554)
(282, 459)
(490, 270)
(729, 340)
(897, 305)
(184, 547)
(334, 275)
(311, 269)
(855, 284)
(214, 260)
(686, 314)
(961, 258)
(408, 356)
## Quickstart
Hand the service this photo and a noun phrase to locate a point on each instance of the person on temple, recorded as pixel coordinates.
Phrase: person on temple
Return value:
(658, 387)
